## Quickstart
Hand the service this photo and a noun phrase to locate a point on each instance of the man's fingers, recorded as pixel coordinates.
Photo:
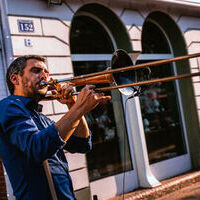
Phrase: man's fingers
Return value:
(53, 92)
(89, 99)
(104, 99)
(67, 90)
(88, 90)
(101, 98)
(90, 87)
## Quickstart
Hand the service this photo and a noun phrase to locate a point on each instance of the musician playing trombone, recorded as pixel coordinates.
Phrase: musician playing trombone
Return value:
(28, 138)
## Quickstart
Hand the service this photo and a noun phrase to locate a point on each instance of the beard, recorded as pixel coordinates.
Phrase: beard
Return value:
(41, 93)
(34, 90)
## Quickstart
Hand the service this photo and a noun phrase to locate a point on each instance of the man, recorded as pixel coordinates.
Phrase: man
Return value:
(27, 138)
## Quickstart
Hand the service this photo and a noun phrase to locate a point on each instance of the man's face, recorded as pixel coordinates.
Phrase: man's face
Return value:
(34, 72)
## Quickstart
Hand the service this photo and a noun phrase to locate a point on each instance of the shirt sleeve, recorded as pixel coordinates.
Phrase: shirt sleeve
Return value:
(78, 144)
(20, 130)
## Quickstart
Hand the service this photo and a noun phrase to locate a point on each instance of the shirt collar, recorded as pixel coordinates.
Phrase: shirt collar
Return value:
(30, 103)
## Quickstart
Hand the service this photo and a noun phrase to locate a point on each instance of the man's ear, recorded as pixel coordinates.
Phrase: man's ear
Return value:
(14, 79)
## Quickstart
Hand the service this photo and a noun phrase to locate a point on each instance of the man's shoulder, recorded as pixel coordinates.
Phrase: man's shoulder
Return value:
(5, 101)
(11, 107)
(9, 101)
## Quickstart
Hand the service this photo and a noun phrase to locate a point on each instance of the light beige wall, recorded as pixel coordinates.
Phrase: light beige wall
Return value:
(192, 38)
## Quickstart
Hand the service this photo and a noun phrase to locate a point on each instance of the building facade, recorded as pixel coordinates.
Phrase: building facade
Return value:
(137, 142)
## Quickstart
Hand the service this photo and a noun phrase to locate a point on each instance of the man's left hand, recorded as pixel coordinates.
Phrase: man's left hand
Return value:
(66, 92)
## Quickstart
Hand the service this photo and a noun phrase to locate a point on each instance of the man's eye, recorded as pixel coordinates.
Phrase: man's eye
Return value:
(36, 70)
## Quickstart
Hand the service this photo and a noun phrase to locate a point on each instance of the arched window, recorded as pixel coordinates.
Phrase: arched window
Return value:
(160, 103)
(92, 45)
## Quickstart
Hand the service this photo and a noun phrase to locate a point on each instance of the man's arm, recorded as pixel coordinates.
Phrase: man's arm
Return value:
(80, 140)
(73, 121)
(19, 129)
(82, 129)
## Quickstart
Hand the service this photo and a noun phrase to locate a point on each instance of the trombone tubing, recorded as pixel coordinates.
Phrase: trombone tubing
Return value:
(57, 96)
(132, 67)
(147, 82)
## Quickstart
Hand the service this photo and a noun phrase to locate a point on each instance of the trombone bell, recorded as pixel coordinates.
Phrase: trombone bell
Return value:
(121, 59)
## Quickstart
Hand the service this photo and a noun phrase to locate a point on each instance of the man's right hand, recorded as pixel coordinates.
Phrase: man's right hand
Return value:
(88, 99)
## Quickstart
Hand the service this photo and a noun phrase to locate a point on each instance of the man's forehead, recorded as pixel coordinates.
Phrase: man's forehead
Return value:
(36, 63)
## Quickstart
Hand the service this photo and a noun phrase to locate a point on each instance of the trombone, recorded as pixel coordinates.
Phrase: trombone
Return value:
(119, 76)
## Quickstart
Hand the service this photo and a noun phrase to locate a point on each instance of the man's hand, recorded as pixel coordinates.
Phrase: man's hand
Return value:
(88, 99)
(66, 92)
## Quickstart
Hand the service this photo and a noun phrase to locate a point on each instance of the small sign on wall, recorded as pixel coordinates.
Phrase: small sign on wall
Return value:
(25, 26)
(28, 43)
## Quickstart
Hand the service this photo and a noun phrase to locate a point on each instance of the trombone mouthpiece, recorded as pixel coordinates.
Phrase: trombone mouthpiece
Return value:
(43, 83)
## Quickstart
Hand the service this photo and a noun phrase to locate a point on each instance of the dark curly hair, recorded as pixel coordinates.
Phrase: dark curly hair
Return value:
(17, 67)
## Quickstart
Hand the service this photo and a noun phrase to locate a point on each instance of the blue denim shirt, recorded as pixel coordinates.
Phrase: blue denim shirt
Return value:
(27, 138)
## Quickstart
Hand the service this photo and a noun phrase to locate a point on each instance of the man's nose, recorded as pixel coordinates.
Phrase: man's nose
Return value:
(44, 76)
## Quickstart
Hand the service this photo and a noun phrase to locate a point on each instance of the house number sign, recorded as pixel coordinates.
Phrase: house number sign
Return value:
(25, 26)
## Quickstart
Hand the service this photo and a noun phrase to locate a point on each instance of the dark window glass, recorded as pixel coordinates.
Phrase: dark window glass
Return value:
(89, 37)
(159, 103)
(161, 118)
(108, 128)
(153, 40)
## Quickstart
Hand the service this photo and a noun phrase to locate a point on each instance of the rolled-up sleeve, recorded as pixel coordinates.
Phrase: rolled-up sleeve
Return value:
(78, 144)
(21, 131)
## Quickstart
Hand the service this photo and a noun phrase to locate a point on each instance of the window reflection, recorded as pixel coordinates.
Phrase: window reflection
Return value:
(161, 118)
(159, 103)
(104, 159)
(107, 124)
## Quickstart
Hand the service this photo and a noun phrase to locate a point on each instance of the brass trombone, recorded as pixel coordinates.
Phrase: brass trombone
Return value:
(125, 81)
